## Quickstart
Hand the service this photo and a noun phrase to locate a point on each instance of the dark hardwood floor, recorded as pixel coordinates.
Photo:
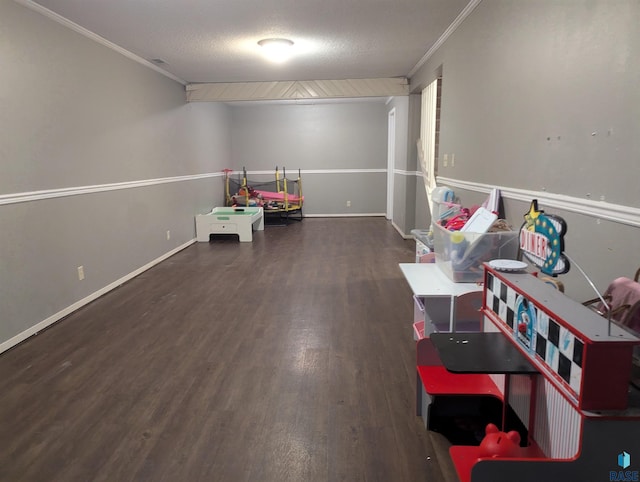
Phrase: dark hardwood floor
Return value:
(286, 359)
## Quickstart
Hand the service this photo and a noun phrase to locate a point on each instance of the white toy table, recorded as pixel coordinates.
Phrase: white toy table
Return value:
(433, 288)
(223, 220)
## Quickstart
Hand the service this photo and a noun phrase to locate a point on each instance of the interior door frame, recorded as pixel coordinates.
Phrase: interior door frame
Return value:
(391, 161)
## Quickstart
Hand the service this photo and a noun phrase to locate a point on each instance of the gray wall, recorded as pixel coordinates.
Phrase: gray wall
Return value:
(544, 96)
(74, 113)
(331, 137)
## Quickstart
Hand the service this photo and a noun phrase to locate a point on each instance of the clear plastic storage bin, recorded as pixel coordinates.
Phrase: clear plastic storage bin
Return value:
(424, 245)
(460, 255)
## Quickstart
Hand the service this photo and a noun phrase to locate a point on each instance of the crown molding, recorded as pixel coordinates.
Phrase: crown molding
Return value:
(95, 37)
(447, 33)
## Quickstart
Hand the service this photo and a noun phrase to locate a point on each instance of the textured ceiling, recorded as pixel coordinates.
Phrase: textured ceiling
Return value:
(216, 40)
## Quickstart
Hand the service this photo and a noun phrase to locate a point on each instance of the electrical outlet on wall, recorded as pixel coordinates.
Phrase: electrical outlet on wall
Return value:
(445, 160)
(80, 273)
(453, 160)
(168, 234)
(348, 204)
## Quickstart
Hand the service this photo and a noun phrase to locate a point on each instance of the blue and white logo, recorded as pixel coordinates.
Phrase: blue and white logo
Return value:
(624, 461)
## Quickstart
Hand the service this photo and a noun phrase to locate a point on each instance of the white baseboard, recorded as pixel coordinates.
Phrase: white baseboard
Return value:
(344, 215)
(359, 215)
(405, 236)
(35, 329)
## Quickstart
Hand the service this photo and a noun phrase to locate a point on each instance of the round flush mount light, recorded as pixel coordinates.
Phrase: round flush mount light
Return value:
(276, 49)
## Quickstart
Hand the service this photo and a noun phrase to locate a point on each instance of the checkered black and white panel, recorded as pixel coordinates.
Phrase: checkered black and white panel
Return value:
(501, 299)
(552, 343)
(560, 350)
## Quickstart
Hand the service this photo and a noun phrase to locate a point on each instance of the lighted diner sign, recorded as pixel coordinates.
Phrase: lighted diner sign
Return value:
(542, 240)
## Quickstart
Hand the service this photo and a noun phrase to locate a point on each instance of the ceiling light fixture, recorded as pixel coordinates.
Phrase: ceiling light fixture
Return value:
(276, 49)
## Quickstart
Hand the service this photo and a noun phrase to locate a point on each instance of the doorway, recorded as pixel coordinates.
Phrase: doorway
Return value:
(391, 161)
